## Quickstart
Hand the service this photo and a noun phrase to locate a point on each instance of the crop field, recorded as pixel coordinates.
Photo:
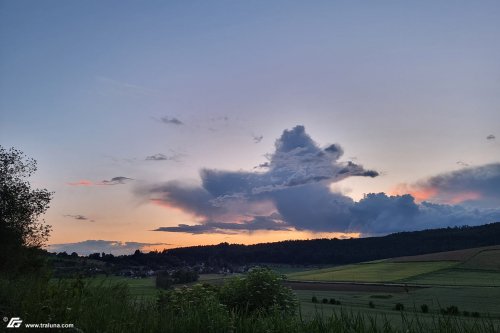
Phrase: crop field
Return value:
(458, 255)
(373, 272)
(459, 277)
(486, 260)
(468, 280)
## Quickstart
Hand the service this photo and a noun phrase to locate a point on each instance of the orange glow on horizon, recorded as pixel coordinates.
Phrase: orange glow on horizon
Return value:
(246, 238)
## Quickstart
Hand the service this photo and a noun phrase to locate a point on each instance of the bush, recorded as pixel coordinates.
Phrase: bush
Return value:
(451, 310)
(325, 300)
(475, 314)
(260, 290)
(332, 301)
(466, 313)
(424, 308)
(371, 305)
(314, 299)
(399, 307)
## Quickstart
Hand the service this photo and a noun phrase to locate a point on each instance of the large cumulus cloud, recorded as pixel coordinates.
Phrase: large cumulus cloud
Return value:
(293, 193)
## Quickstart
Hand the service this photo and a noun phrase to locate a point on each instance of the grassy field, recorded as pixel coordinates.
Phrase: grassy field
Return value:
(373, 272)
(468, 279)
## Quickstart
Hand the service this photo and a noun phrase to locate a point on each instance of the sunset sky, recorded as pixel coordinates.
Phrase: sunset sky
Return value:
(161, 124)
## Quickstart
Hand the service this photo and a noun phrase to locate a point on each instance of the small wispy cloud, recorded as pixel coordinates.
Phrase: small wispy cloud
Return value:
(113, 181)
(257, 138)
(79, 217)
(107, 246)
(174, 156)
(171, 121)
(116, 181)
(491, 137)
(108, 86)
(82, 182)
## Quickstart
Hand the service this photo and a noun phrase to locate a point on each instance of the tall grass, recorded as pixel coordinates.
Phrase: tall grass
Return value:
(109, 307)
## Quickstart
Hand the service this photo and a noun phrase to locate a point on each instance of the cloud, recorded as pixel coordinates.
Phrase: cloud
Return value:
(79, 217)
(115, 181)
(171, 121)
(474, 186)
(297, 166)
(257, 138)
(295, 187)
(490, 137)
(382, 214)
(98, 246)
(82, 182)
(272, 222)
(162, 157)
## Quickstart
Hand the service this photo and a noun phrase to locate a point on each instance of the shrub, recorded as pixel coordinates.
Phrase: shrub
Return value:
(325, 300)
(314, 299)
(260, 290)
(451, 310)
(371, 305)
(399, 307)
(475, 314)
(424, 308)
(333, 301)
(466, 313)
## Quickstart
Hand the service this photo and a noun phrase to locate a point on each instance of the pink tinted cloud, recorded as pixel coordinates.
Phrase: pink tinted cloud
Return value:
(82, 182)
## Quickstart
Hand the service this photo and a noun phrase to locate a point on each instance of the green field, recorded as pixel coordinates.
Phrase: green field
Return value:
(468, 279)
(381, 271)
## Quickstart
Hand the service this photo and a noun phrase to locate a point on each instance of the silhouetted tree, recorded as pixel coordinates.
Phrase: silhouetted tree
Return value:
(21, 229)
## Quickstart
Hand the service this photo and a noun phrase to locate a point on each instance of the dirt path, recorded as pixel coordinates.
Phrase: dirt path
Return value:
(351, 286)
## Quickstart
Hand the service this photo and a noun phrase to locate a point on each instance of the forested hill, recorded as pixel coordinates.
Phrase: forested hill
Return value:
(344, 251)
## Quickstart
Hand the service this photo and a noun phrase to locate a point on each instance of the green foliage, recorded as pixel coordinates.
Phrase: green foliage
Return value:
(108, 307)
(424, 308)
(165, 280)
(325, 300)
(184, 275)
(314, 299)
(451, 310)
(371, 305)
(20, 211)
(260, 290)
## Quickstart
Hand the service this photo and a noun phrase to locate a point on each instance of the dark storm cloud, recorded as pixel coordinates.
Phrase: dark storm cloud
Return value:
(116, 181)
(98, 246)
(296, 185)
(79, 217)
(490, 137)
(257, 223)
(171, 121)
(381, 214)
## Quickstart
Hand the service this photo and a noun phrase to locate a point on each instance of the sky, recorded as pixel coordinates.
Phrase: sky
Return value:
(163, 124)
